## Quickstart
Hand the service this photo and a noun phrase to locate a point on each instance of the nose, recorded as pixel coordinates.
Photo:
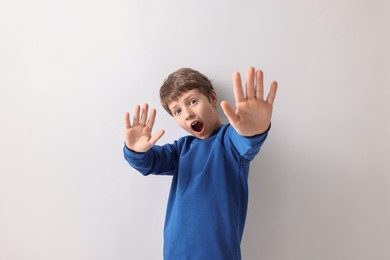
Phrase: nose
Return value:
(188, 114)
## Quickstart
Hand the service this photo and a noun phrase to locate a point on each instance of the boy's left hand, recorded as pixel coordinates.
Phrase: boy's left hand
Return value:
(253, 114)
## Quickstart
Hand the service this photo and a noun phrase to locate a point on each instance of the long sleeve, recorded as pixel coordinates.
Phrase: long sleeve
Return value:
(241, 146)
(157, 160)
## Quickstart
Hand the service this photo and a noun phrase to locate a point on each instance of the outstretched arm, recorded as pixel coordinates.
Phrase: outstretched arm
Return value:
(253, 114)
(138, 136)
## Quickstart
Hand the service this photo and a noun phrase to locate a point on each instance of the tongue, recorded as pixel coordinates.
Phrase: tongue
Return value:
(198, 127)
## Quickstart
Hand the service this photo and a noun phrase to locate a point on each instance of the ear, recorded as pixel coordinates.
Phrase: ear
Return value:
(214, 99)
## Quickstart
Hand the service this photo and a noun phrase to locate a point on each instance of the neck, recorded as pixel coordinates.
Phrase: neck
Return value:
(218, 124)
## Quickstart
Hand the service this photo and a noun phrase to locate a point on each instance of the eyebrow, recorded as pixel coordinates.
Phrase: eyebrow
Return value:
(191, 96)
(173, 108)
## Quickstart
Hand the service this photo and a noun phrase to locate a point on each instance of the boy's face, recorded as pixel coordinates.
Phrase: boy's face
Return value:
(196, 114)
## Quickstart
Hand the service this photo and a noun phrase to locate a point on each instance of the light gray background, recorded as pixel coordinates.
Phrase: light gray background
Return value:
(320, 189)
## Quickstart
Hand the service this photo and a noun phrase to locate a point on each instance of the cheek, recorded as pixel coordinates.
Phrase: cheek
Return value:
(209, 112)
(180, 123)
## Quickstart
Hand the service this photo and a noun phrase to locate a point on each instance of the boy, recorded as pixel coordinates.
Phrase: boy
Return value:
(208, 199)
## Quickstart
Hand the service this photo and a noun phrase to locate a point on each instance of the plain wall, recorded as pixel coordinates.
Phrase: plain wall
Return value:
(69, 70)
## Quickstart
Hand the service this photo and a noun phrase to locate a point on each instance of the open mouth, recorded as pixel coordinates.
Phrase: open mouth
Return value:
(197, 126)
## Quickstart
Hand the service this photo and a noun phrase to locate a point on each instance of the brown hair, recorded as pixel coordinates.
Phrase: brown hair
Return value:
(181, 81)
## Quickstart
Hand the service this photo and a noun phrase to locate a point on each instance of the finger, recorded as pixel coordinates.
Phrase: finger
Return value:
(229, 111)
(272, 92)
(152, 118)
(237, 88)
(136, 115)
(144, 114)
(153, 140)
(250, 78)
(127, 120)
(259, 85)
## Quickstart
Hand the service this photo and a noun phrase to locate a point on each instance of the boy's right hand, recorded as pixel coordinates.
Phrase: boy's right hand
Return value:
(138, 136)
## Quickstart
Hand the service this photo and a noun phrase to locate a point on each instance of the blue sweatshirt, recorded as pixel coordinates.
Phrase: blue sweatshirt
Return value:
(208, 200)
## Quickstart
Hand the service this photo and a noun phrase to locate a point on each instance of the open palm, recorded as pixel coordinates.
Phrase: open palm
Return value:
(138, 136)
(253, 114)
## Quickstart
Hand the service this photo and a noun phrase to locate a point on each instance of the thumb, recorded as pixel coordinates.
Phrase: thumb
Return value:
(156, 137)
(229, 111)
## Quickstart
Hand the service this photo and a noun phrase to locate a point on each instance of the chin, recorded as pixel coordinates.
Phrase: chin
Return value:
(202, 135)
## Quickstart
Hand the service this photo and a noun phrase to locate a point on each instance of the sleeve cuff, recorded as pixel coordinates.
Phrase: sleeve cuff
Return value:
(132, 154)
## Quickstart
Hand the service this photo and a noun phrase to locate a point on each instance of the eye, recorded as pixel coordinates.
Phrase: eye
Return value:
(193, 101)
(177, 112)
